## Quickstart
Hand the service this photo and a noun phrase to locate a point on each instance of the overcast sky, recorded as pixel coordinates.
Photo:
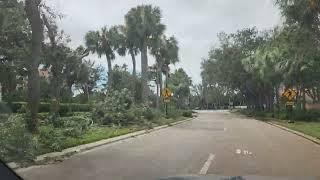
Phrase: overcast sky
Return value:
(195, 23)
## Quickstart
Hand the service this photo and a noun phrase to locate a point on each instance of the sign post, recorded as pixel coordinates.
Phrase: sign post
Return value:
(290, 95)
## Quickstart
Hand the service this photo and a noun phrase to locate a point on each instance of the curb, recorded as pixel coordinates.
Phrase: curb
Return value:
(310, 138)
(84, 147)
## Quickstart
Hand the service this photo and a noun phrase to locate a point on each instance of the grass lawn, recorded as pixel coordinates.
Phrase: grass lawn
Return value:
(309, 128)
(96, 134)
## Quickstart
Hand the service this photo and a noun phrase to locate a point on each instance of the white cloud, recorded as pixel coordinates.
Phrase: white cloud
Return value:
(195, 23)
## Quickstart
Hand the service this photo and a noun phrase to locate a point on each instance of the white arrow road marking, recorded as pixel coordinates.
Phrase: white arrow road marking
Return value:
(207, 164)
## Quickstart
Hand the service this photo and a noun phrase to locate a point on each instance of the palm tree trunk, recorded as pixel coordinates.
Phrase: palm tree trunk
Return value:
(109, 73)
(303, 99)
(160, 83)
(133, 57)
(158, 97)
(33, 14)
(159, 86)
(278, 100)
(144, 72)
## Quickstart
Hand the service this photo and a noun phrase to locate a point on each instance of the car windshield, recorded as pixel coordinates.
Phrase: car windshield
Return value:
(158, 89)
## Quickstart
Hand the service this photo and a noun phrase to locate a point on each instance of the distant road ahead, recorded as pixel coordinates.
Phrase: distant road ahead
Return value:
(217, 142)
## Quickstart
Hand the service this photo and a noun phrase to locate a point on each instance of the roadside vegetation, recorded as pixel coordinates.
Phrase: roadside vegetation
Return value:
(253, 67)
(52, 96)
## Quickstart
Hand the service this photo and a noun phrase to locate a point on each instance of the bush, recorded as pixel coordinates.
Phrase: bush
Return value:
(4, 108)
(65, 108)
(20, 107)
(187, 114)
(76, 125)
(300, 115)
(114, 108)
(51, 138)
(3, 117)
(16, 144)
(148, 113)
(297, 115)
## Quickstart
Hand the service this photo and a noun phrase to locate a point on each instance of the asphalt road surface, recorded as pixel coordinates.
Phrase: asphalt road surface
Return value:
(216, 142)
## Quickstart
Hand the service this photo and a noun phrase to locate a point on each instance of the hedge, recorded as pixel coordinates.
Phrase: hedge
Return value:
(20, 107)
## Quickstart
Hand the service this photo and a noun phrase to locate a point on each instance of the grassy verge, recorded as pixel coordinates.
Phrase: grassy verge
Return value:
(307, 122)
(97, 133)
(73, 129)
(309, 128)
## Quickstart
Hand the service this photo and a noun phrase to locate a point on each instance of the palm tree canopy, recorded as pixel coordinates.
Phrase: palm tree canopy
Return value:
(143, 24)
(125, 44)
(166, 50)
(103, 42)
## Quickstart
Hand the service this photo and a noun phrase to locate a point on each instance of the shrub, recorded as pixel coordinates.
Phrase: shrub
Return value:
(4, 108)
(76, 125)
(16, 144)
(311, 115)
(114, 108)
(51, 138)
(3, 117)
(64, 108)
(148, 113)
(187, 113)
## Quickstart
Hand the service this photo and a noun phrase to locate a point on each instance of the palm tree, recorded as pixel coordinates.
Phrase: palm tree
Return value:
(143, 25)
(127, 45)
(103, 42)
(166, 52)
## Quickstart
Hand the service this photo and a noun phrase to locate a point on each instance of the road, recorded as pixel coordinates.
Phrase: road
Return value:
(216, 142)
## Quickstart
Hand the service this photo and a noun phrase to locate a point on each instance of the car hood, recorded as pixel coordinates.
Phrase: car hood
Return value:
(249, 177)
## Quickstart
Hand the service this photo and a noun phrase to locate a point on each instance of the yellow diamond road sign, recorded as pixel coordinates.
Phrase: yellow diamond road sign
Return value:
(290, 94)
(166, 93)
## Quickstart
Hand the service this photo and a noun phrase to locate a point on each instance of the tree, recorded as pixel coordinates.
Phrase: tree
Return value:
(227, 66)
(166, 52)
(15, 35)
(127, 45)
(144, 25)
(72, 68)
(32, 8)
(103, 42)
(55, 55)
(300, 37)
(180, 83)
(122, 79)
(88, 77)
